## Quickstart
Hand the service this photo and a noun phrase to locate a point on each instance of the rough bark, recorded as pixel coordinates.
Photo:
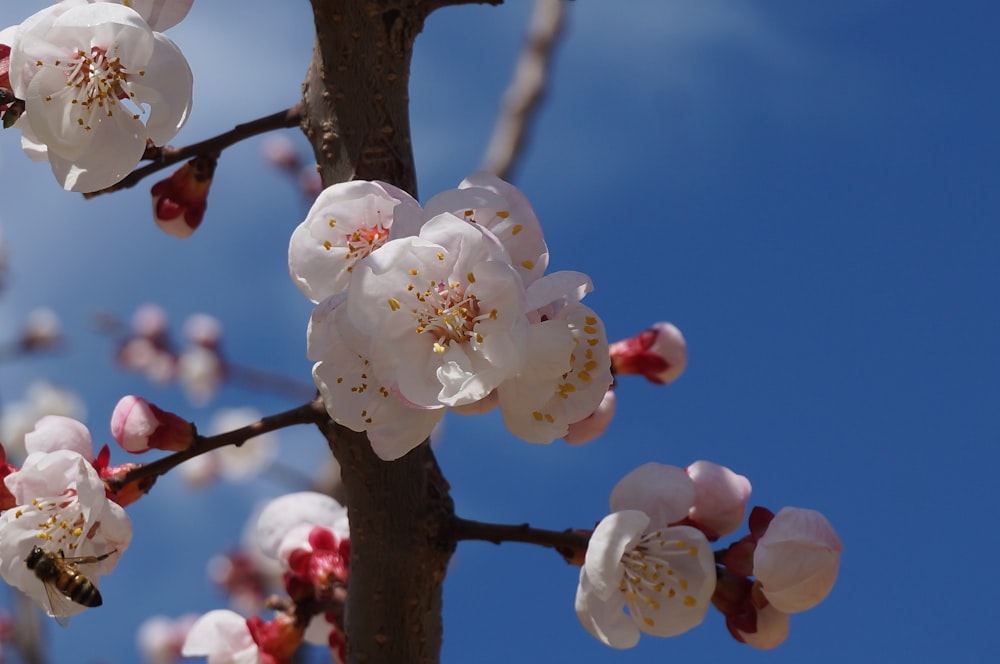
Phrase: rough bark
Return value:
(355, 96)
(400, 549)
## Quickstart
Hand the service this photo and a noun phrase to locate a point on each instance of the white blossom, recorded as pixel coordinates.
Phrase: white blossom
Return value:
(97, 82)
(348, 221)
(664, 577)
(61, 508)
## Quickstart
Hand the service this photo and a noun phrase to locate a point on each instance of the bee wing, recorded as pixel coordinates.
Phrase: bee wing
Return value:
(60, 607)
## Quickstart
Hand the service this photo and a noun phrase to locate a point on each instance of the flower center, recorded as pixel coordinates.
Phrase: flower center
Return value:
(58, 521)
(650, 577)
(100, 83)
(446, 312)
(365, 240)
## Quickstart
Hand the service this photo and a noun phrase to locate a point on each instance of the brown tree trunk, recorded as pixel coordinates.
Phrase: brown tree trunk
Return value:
(355, 113)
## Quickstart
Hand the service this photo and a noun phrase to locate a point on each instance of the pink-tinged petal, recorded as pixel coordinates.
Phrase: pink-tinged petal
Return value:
(166, 87)
(96, 170)
(161, 14)
(665, 493)
(797, 559)
(283, 514)
(223, 637)
(401, 429)
(594, 424)
(484, 405)
(498, 206)
(564, 286)
(538, 407)
(772, 629)
(616, 533)
(720, 499)
(605, 619)
(55, 432)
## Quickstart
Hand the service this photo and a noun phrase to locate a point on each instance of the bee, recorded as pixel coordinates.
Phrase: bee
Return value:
(63, 581)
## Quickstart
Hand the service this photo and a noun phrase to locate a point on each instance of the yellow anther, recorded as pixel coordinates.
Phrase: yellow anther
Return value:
(394, 304)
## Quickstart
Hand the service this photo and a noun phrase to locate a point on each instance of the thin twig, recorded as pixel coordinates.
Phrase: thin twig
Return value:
(310, 413)
(167, 156)
(525, 92)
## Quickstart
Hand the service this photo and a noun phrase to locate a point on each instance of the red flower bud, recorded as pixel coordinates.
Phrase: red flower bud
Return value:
(659, 354)
(179, 202)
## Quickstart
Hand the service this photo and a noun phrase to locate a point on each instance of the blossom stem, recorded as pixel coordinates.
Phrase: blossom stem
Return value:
(167, 156)
(309, 413)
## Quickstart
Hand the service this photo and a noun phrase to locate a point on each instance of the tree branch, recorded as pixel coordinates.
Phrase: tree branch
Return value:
(309, 413)
(526, 90)
(571, 544)
(168, 156)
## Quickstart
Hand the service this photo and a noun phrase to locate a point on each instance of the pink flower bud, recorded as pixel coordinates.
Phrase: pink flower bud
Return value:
(797, 559)
(659, 354)
(720, 498)
(138, 425)
(179, 202)
(594, 424)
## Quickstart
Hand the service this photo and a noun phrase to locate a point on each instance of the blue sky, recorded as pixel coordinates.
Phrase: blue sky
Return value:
(808, 190)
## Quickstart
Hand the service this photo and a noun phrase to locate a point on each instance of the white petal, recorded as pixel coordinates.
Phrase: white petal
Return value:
(614, 534)
(605, 620)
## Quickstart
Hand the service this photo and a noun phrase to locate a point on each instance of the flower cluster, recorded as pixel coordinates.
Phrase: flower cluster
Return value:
(57, 502)
(94, 82)
(421, 310)
(649, 567)
(308, 534)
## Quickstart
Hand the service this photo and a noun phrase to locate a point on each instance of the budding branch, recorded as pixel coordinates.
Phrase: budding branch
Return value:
(310, 413)
(168, 156)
